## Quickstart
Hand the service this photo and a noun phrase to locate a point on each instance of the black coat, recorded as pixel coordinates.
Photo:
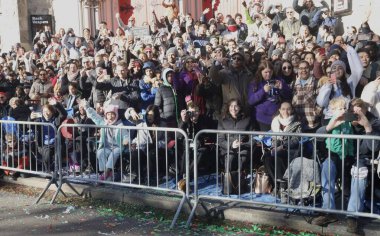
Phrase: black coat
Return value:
(240, 124)
(130, 87)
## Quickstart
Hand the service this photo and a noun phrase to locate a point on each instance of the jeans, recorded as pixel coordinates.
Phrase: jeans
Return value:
(357, 193)
(107, 157)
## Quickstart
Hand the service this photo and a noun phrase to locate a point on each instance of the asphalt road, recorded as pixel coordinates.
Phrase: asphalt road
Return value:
(20, 216)
(79, 216)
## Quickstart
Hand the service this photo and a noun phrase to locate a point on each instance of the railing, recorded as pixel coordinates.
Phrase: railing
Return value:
(29, 148)
(72, 153)
(286, 198)
(142, 162)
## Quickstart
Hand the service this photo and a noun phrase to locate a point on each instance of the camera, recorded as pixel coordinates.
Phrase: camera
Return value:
(274, 91)
(349, 116)
(190, 114)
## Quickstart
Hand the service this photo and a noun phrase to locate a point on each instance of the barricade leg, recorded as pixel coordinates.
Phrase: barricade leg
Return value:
(44, 191)
(178, 211)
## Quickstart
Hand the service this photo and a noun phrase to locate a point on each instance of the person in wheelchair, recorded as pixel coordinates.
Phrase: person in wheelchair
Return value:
(285, 122)
(358, 120)
(192, 122)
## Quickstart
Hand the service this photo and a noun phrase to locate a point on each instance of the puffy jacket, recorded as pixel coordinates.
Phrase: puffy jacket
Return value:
(167, 101)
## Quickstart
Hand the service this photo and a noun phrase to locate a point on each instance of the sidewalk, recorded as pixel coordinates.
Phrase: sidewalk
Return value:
(222, 210)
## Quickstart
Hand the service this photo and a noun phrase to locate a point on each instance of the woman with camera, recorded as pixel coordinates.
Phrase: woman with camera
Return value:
(265, 94)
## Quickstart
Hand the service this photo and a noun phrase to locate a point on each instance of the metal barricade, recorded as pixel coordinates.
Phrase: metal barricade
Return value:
(29, 148)
(310, 180)
(127, 156)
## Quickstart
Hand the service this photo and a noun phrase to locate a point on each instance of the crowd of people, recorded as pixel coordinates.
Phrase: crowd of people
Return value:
(272, 71)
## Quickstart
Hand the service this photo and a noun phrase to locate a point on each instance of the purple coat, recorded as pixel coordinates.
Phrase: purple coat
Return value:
(265, 105)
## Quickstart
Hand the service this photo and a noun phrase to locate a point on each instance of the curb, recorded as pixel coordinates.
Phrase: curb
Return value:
(224, 210)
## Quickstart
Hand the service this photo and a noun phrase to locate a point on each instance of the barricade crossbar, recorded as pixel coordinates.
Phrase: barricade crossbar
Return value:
(256, 139)
(132, 149)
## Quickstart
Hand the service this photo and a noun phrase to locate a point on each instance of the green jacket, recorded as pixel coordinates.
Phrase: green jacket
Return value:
(335, 145)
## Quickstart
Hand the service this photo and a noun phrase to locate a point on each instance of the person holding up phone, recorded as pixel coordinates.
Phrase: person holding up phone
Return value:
(339, 83)
(351, 163)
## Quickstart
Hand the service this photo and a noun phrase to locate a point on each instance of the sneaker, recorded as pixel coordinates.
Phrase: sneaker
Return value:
(352, 225)
(323, 220)
(129, 178)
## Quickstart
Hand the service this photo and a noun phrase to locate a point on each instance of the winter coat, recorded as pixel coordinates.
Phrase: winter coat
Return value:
(38, 87)
(371, 95)
(294, 142)
(167, 100)
(240, 124)
(120, 135)
(265, 105)
(305, 104)
(234, 84)
(129, 88)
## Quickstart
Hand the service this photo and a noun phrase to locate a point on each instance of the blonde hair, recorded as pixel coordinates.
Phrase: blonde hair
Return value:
(323, 80)
(337, 102)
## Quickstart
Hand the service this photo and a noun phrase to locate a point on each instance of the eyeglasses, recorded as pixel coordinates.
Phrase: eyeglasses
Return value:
(286, 68)
(237, 58)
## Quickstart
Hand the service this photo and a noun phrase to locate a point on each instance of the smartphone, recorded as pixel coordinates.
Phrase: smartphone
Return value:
(322, 51)
(333, 78)
(349, 116)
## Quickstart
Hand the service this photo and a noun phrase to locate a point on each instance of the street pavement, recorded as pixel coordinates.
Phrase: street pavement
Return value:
(20, 216)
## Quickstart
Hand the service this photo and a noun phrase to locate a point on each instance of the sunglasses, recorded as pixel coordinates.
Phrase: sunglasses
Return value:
(237, 58)
(286, 68)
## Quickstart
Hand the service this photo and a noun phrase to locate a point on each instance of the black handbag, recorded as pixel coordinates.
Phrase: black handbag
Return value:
(230, 183)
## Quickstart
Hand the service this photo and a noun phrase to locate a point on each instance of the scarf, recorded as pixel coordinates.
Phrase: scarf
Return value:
(71, 77)
(278, 121)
